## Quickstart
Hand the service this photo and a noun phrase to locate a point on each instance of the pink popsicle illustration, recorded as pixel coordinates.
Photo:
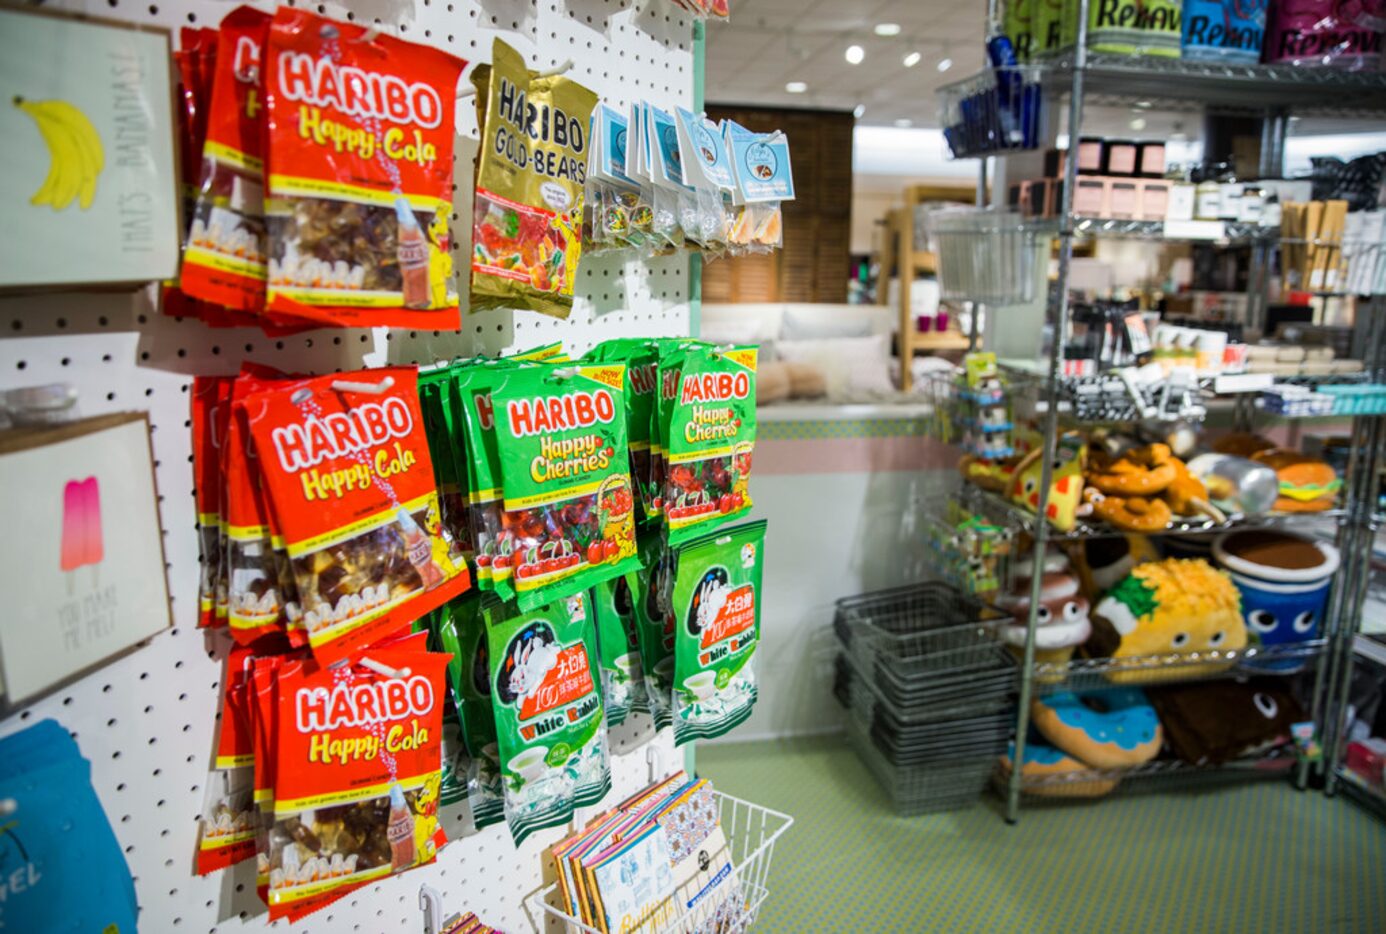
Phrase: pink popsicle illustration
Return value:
(81, 542)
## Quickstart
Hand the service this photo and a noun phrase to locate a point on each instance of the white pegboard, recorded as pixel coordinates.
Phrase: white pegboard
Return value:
(147, 720)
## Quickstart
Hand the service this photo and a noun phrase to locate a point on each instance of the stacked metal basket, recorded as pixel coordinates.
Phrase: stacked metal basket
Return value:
(929, 688)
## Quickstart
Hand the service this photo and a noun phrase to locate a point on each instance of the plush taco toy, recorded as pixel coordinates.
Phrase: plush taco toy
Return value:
(1168, 608)
(1307, 484)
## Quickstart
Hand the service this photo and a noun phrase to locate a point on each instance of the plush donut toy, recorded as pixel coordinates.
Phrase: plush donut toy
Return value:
(1043, 760)
(1139, 472)
(1109, 729)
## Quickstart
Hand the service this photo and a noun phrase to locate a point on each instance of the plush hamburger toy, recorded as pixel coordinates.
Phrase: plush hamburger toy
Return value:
(1306, 483)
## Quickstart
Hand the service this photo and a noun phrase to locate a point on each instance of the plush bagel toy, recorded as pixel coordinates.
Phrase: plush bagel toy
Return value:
(1306, 483)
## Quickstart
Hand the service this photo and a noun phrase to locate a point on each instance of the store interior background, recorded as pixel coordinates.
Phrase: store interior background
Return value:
(862, 136)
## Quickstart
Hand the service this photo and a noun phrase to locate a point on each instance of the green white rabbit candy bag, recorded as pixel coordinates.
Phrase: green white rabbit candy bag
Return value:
(654, 628)
(716, 607)
(547, 703)
(623, 682)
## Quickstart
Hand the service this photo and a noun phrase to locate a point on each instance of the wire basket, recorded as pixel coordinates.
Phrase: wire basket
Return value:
(751, 831)
(998, 110)
(942, 785)
(922, 702)
(986, 256)
(926, 629)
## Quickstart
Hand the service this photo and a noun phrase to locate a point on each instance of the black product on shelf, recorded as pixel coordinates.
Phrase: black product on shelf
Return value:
(1150, 159)
(1092, 156)
(1121, 158)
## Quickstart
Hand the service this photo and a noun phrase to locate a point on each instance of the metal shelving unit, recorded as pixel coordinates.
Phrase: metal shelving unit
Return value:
(1272, 92)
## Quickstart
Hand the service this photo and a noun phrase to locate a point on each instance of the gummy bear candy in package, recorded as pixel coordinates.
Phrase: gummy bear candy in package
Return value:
(527, 218)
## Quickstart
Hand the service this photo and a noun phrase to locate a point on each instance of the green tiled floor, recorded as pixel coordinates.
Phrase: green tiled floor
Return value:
(1258, 857)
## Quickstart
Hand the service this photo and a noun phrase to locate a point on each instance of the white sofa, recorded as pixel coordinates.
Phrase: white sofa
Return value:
(850, 344)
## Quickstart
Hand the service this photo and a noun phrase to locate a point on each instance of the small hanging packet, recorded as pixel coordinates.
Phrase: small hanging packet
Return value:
(707, 167)
(640, 355)
(210, 395)
(708, 410)
(654, 627)
(347, 468)
(716, 607)
(224, 257)
(361, 134)
(356, 788)
(569, 503)
(618, 646)
(531, 168)
(548, 710)
(764, 179)
(613, 195)
(671, 192)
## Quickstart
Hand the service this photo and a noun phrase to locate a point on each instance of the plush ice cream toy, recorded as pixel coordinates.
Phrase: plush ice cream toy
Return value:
(1062, 622)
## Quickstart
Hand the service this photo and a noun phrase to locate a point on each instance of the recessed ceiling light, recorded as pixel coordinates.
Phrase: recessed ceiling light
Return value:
(855, 54)
(796, 87)
(912, 59)
(859, 111)
(1143, 105)
(904, 122)
(887, 29)
(946, 64)
(1138, 123)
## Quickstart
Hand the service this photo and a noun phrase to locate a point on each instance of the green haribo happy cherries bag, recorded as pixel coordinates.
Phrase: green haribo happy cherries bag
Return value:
(708, 411)
(550, 728)
(716, 607)
(569, 520)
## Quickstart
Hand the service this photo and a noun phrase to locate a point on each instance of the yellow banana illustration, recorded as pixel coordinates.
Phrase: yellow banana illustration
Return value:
(75, 154)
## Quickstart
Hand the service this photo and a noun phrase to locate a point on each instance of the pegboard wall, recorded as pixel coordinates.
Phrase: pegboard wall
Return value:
(147, 720)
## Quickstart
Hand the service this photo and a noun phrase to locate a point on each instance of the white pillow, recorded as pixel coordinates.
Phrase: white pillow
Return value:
(802, 324)
(730, 330)
(852, 366)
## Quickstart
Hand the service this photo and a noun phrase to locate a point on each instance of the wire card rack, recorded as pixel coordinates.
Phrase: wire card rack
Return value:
(751, 832)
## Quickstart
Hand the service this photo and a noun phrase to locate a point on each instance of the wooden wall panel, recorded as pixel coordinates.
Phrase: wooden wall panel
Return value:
(814, 264)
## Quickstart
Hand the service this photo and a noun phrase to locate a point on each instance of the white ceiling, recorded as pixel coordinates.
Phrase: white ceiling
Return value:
(768, 43)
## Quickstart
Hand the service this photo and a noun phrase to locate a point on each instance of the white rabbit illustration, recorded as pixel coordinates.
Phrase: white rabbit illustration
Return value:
(536, 660)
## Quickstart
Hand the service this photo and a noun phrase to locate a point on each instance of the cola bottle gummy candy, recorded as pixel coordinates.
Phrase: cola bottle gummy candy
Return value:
(420, 550)
(412, 250)
(400, 831)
